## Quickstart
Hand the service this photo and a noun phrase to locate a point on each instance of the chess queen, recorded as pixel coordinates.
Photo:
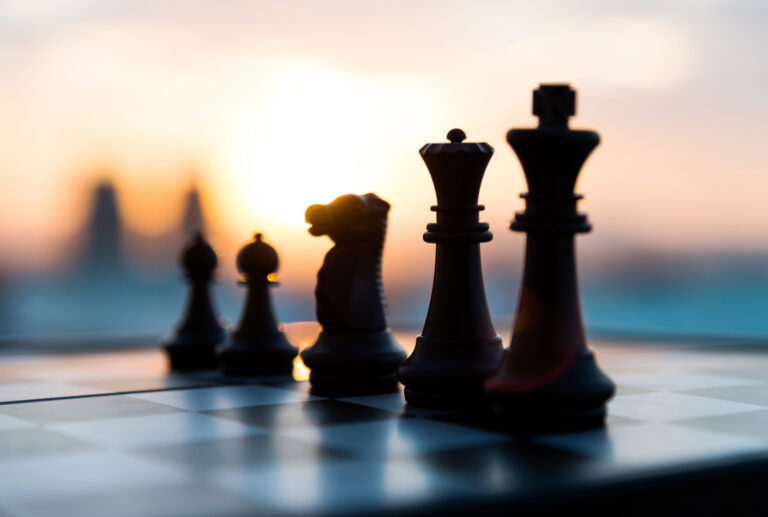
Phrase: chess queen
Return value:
(458, 347)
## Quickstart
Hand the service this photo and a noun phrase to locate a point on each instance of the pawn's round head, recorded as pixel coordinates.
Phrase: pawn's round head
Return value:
(198, 259)
(257, 259)
(349, 218)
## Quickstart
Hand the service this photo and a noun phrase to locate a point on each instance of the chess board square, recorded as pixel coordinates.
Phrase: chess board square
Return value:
(78, 475)
(336, 487)
(83, 409)
(8, 423)
(753, 424)
(241, 452)
(161, 381)
(668, 407)
(155, 430)
(84, 368)
(314, 413)
(614, 420)
(35, 442)
(654, 445)
(487, 420)
(515, 466)
(224, 397)
(299, 386)
(187, 500)
(752, 368)
(621, 389)
(395, 437)
(751, 394)
(394, 402)
(677, 380)
(43, 390)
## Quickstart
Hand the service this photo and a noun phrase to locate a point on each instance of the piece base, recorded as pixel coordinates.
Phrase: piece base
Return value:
(242, 359)
(338, 386)
(444, 374)
(353, 363)
(574, 400)
(187, 357)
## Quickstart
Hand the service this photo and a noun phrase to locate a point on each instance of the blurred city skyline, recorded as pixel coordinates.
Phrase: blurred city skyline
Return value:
(267, 107)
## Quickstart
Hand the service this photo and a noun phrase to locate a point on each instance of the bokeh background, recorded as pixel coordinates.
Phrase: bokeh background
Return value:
(124, 125)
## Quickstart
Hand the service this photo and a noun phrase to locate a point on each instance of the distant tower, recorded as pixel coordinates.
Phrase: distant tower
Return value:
(102, 249)
(192, 220)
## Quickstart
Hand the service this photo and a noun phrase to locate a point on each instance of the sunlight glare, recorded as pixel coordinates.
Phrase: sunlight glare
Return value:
(302, 143)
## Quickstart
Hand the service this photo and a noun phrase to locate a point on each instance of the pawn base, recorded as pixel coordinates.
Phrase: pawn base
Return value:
(353, 362)
(185, 357)
(196, 351)
(265, 355)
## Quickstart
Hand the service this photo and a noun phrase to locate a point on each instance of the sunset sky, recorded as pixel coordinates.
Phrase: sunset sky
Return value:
(272, 106)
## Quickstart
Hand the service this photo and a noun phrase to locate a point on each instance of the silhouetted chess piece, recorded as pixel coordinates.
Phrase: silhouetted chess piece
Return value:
(355, 351)
(193, 344)
(458, 348)
(548, 376)
(257, 346)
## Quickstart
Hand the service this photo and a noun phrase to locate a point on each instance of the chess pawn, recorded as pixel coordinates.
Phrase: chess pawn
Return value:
(257, 346)
(459, 347)
(548, 376)
(355, 351)
(193, 344)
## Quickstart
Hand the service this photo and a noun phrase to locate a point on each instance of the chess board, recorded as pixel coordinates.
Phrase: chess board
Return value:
(113, 433)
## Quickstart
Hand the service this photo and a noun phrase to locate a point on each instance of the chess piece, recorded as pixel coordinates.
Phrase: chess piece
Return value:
(257, 346)
(458, 348)
(355, 351)
(548, 376)
(193, 345)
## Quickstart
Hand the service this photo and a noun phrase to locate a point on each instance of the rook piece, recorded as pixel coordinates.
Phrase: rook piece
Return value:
(458, 348)
(193, 345)
(548, 377)
(257, 346)
(355, 351)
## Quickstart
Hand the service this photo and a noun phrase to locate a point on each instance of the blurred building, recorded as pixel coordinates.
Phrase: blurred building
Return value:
(106, 288)
(101, 250)
(192, 219)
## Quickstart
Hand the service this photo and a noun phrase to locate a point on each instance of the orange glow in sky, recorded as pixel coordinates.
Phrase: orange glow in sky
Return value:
(310, 136)
(272, 106)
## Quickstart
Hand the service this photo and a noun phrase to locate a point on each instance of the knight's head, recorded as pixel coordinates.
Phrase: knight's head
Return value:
(349, 218)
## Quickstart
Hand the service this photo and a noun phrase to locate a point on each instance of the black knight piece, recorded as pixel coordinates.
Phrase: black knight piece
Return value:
(458, 348)
(193, 344)
(257, 346)
(355, 351)
(548, 377)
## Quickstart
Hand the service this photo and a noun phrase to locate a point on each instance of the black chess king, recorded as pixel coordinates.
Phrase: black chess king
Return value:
(458, 347)
(548, 376)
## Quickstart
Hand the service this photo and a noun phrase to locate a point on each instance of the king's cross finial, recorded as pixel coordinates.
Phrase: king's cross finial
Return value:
(554, 104)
